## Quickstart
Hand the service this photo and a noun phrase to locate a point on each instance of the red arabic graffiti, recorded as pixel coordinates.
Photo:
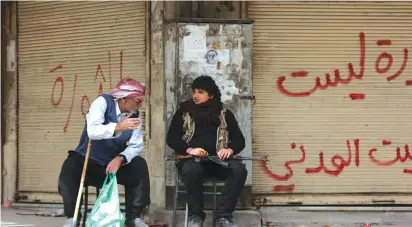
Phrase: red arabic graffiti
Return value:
(58, 80)
(84, 99)
(56, 68)
(284, 188)
(338, 166)
(66, 125)
(355, 96)
(397, 159)
(287, 165)
(287, 176)
(390, 60)
(100, 70)
(110, 68)
(121, 64)
(337, 161)
(338, 79)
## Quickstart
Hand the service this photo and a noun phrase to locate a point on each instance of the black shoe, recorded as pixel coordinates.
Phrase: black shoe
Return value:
(225, 222)
(195, 221)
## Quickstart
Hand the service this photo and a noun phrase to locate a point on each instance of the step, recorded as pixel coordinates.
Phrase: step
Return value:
(243, 218)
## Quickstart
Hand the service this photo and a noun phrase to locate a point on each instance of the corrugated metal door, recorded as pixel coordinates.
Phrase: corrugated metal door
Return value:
(325, 127)
(69, 52)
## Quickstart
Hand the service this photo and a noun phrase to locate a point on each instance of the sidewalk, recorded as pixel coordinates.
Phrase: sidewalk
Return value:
(9, 218)
(275, 217)
(336, 217)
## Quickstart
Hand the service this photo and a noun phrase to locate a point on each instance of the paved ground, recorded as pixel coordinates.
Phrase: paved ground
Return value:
(337, 217)
(10, 218)
(277, 218)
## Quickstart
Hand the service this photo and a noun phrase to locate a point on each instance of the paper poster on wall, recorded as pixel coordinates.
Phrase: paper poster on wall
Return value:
(210, 70)
(215, 57)
(194, 48)
(223, 56)
(227, 87)
(211, 57)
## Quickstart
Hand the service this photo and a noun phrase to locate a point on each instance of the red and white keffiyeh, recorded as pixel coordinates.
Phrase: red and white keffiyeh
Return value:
(128, 87)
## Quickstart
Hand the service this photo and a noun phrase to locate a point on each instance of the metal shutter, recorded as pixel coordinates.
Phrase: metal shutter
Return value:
(319, 37)
(67, 50)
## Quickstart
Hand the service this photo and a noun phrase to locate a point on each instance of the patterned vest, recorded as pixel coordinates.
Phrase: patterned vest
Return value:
(222, 132)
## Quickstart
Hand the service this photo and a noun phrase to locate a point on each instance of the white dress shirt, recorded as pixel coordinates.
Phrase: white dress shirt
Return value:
(97, 131)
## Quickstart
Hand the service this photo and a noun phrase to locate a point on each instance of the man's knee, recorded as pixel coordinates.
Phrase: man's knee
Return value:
(71, 168)
(69, 177)
(191, 168)
(239, 169)
(138, 161)
(139, 165)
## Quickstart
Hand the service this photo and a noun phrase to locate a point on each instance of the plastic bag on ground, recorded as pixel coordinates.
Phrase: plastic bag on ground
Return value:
(106, 211)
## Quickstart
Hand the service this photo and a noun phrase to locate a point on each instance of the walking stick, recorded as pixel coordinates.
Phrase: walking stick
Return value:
(79, 195)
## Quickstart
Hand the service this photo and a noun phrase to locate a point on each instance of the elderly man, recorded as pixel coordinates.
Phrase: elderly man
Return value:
(113, 125)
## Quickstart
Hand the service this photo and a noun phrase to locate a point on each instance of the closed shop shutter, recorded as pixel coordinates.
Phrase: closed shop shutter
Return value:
(355, 123)
(69, 52)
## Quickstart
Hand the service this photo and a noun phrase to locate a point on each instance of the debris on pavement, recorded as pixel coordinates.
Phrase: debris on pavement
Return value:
(57, 213)
(8, 204)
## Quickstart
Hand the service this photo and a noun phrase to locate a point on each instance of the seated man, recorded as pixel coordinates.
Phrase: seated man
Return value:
(113, 125)
(199, 124)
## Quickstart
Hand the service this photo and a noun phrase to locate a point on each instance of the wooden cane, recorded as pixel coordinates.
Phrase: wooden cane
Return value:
(79, 195)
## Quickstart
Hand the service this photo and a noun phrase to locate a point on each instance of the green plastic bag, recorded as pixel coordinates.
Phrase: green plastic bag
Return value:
(106, 211)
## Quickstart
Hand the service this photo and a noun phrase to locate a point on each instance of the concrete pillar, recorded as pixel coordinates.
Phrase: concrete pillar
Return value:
(155, 154)
(9, 98)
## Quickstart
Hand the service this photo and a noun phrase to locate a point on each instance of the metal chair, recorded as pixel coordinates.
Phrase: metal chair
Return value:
(86, 201)
(179, 183)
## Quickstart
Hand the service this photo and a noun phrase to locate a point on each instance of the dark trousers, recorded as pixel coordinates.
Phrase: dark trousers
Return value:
(194, 173)
(134, 176)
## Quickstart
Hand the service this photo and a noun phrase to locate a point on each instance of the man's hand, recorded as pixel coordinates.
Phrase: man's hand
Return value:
(114, 165)
(198, 152)
(225, 153)
(127, 124)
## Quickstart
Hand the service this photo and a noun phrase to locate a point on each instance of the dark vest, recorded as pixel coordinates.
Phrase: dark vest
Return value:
(103, 151)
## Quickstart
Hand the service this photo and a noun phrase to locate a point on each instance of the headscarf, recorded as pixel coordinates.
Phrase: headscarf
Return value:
(128, 87)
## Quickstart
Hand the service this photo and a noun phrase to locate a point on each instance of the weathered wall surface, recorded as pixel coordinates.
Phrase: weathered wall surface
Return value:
(177, 83)
(157, 108)
(170, 90)
(222, 51)
(206, 9)
(9, 105)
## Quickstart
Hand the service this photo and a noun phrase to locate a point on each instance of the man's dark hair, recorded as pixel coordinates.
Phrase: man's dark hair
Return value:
(207, 84)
